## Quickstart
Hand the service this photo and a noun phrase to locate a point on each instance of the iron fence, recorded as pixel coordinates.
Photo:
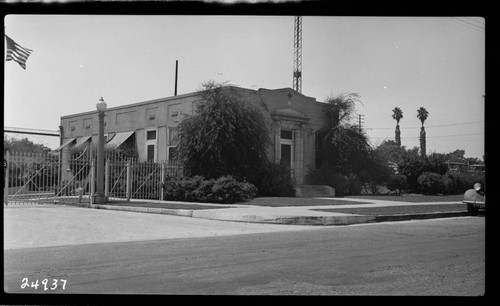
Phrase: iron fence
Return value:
(45, 178)
(58, 179)
(133, 179)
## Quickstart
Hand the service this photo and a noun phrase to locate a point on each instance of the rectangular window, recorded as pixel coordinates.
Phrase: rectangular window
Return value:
(172, 142)
(285, 134)
(151, 135)
(151, 150)
(151, 144)
(286, 154)
(172, 153)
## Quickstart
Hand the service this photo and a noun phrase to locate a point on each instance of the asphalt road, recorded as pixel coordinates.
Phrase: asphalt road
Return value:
(427, 257)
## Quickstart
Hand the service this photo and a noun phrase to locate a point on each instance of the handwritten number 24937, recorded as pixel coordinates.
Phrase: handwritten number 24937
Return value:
(46, 283)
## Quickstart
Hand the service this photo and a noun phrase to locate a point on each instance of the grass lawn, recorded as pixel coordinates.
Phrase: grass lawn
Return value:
(291, 201)
(263, 201)
(284, 201)
(397, 210)
(166, 205)
(412, 198)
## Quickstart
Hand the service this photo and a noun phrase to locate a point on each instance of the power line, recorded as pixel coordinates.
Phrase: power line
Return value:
(428, 126)
(441, 136)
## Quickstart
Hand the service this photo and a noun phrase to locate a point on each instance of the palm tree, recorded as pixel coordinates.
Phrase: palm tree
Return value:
(397, 114)
(340, 140)
(422, 114)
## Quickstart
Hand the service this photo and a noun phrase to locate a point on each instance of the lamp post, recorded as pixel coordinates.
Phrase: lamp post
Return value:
(99, 195)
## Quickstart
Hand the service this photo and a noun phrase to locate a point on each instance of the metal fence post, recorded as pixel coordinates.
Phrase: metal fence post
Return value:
(162, 176)
(92, 182)
(6, 177)
(106, 179)
(128, 185)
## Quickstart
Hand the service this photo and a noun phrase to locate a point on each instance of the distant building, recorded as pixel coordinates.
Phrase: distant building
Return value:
(150, 126)
(455, 166)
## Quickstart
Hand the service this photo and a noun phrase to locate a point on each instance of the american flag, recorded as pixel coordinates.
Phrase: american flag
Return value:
(17, 53)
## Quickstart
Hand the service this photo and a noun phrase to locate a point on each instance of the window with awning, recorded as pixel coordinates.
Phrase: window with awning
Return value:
(118, 139)
(81, 141)
(66, 143)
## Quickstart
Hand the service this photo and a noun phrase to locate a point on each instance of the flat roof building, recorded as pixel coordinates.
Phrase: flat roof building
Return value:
(150, 126)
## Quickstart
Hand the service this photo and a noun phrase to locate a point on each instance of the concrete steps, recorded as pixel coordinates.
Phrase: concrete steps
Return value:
(314, 191)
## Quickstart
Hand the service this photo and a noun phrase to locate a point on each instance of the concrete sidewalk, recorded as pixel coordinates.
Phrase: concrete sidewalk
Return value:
(294, 215)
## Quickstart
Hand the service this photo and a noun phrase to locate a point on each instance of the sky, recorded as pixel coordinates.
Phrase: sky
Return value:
(406, 62)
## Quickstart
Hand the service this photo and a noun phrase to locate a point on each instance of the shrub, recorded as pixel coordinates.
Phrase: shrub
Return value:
(173, 191)
(225, 189)
(463, 181)
(397, 183)
(354, 184)
(204, 191)
(430, 183)
(449, 184)
(275, 180)
(467, 180)
(412, 167)
(190, 187)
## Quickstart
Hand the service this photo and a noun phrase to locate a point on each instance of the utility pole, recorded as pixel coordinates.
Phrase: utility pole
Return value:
(297, 62)
(176, 72)
(360, 121)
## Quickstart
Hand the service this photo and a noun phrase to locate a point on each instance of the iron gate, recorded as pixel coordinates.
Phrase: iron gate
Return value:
(47, 179)
(70, 179)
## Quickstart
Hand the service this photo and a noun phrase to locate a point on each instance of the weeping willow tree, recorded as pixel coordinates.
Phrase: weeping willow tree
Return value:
(227, 135)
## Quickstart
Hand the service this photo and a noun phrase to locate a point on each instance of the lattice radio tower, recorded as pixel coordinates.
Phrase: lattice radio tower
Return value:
(297, 61)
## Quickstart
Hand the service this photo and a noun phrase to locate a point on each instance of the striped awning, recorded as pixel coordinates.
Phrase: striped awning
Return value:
(118, 139)
(67, 142)
(81, 141)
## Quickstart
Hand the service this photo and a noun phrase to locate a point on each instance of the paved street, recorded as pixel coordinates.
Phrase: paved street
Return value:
(177, 255)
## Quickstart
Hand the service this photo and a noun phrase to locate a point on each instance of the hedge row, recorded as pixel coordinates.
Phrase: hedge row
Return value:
(435, 183)
(225, 189)
(450, 183)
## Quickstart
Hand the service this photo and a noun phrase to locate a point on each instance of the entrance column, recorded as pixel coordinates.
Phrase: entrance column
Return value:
(299, 155)
(277, 141)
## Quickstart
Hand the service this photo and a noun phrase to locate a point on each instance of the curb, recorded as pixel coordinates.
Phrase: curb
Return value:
(422, 216)
(150, 210)
(286, 220)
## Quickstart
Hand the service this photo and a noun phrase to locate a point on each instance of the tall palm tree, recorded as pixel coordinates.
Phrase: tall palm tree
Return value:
(397, 114)
(422, 114)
